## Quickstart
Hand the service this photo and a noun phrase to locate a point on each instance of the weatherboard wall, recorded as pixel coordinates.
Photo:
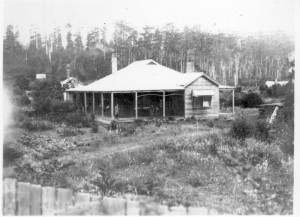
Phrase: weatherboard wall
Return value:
(202, 83)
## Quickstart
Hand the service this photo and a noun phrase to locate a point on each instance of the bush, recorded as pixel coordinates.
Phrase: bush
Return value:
(60, 109)
(190, 119)
(261, 130)
(77, 118)
(142, 156)
(278, 90)
(285, 137)
(19, 115)
(11, 152)
(210, 123)
(121, 160)
(138, 122)
(104, 180)
(44, 92)
(35, 125)
(43, 106)
(288, 109)
(196, 179)
(58, 106)
(241, 128)
(256, 152)
(275, 90)
(251, 100)
(238, 98)
(69, 131)
(127, 129)
(113, 125)
(94, 128)
(238, 89)
(21, 99)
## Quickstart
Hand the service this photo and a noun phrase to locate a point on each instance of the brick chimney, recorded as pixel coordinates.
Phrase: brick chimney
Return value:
(190, 65)
(114, 63)
(68, 68)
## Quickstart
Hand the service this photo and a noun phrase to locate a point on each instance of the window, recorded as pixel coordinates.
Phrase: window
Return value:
(202, 102)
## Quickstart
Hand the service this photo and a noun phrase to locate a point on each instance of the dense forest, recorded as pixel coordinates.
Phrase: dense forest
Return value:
(230, 59)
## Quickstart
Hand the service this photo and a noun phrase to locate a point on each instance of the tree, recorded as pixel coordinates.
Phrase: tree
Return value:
(10, 42)
(44, 92)
(70, 44)
(125, 40)
(78, 43)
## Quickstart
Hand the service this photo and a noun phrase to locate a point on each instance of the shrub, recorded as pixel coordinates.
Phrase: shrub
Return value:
(241, 128)
(158, 122)
(127, 129)
(238, 89)
(251, 100)
(66, 131)
(278, 90)
(58, 106)
(196, 179)
(43, 92)
(113, 125)
(21, 99)
(77, 118)
(19, 115)
(43, 106)
(256, 152)
(288, 109)
(138, 123)
(142, 156)
(190, 119)
(238, 98)
(121, 160)
(60, 109)
(284, 138)
(36, 125)
(261, 130)
(11, 152)
(94, 128)
(210, 123)
(104, 180)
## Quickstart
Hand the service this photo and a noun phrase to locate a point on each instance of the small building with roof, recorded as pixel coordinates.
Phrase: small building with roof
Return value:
(146, 89)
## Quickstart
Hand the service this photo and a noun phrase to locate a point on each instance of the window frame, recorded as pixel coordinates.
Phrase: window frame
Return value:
(197, 102)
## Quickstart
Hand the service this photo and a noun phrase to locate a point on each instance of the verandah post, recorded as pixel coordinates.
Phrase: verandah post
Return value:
(164, 104)
(93, 103)
(85, 102)
(232, 101)
(102, 105)
(112, 105)
(136, 105)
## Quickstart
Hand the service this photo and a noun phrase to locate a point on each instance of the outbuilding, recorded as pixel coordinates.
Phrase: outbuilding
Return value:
(146, 89)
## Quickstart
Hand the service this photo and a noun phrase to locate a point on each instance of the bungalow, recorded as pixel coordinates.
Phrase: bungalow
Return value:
(271, 83)
(146, 89)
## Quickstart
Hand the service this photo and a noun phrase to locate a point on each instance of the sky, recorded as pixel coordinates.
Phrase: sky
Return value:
(228, 16)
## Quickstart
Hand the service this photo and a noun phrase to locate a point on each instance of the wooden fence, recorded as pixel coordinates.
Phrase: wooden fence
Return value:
(21, 198)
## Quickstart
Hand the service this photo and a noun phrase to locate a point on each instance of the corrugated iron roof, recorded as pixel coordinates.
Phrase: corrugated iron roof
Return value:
(145, 75)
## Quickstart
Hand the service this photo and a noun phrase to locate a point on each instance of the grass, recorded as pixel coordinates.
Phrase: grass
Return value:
(196, 162)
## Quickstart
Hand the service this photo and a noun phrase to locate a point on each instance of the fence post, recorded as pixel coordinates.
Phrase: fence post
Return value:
(82, 198)
(10, 190)
(23, 198)
(64, 198)
(36, 200)
(48, 200)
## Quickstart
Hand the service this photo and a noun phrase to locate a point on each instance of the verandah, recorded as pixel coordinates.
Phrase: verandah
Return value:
(131, 104)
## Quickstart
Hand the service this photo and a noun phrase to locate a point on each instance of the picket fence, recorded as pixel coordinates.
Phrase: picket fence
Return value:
(21, 198)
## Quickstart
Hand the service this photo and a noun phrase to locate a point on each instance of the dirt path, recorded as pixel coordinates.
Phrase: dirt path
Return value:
(109, 149)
